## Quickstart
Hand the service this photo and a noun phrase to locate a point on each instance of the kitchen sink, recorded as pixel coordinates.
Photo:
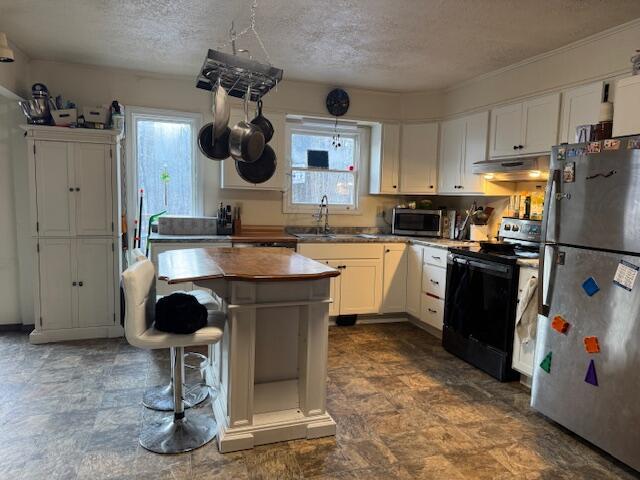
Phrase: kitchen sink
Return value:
(335, 235)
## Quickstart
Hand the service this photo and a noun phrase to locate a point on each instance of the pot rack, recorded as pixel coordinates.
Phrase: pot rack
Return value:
(236, 74)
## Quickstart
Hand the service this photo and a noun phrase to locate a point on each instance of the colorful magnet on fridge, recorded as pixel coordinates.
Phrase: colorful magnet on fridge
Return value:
(590, 286)
(562, 153)
(569, 172)
(594, 147)
(611, 144)
(591, 345)
(591, 376)
(633, 143)
(559, 324)
(546, 363)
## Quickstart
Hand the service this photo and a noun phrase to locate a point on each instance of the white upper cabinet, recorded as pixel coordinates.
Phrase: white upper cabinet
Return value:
(525, 128)
(580, 106)
(385, 158)
(93, 196)
(229, 177)
(626, 106)
(463, 142)
(418, 158)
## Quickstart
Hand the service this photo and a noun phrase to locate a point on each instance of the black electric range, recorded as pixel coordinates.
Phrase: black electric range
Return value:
(481, 299)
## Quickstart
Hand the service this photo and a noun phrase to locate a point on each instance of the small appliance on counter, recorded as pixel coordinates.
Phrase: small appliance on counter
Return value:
(182, 225)
(481, 297)
(224, 224)
(417, 222)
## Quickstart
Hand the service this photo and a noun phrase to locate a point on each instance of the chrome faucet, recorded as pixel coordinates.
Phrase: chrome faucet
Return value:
(324, 206)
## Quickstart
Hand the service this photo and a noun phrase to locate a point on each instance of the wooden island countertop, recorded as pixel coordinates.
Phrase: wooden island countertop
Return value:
(245, 264)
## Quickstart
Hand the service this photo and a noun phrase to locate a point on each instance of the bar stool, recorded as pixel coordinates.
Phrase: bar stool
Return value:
(179, 432)
(160, 397)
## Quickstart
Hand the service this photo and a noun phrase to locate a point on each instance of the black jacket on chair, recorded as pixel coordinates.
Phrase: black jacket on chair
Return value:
(180, 313)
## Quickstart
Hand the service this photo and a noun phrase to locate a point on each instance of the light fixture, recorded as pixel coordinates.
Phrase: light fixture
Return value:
(6, 54)
(535, 173)
(489, 176)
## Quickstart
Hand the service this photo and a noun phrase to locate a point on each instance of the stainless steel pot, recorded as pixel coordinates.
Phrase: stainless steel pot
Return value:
(246, 141)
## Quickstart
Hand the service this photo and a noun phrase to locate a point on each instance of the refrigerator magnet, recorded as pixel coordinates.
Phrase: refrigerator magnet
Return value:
(571, 153)
(546, 363)
(633, 143)
(591, 345)
(594, 147)
(591, 376)
(626, 274)
(559, 324)
(569, 172)
(590, 286)
(611, 144)
(562, 153)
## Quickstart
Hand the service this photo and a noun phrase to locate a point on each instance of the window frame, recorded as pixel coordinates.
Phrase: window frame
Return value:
(362, 138)
(134, 113)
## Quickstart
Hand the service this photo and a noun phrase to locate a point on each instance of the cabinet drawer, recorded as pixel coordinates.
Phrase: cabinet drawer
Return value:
(434, 280)
(435, 256)
(432, 311)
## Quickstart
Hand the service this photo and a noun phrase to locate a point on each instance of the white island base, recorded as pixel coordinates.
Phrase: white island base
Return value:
(271, 365)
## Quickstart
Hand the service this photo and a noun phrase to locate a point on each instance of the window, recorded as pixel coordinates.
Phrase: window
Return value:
(163, 162)
(319, 168)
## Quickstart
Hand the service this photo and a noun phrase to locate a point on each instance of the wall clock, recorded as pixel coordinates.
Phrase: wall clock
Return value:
(337, 102)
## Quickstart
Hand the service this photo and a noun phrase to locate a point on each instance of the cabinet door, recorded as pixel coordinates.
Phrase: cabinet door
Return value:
(360, 286)
(523, 354)
(451, 155)
(540, 124)
(389, 159)
(229, 175)
(506, 130)
(414, 279)
(475, 150)
(394, 282)
(55, 180)
(95, 277)
(434, 280)
(93, 189)
(580, 106)
(334, 289)
(626, 106)
(418, 158)
(432, 311)
(58, 296)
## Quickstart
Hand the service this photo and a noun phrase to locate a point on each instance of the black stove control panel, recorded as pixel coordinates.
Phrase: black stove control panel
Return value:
(520, 229)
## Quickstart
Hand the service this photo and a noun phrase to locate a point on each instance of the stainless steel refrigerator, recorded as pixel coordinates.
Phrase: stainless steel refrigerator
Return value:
(587, 370)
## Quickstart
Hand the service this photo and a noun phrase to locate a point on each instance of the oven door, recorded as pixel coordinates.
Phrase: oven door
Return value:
(480, 301)
(417, 222)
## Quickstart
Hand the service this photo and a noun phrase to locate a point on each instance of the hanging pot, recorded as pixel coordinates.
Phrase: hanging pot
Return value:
(263, 123)
(213, 148)
(246, 141)
(221, 110)
(261, 170)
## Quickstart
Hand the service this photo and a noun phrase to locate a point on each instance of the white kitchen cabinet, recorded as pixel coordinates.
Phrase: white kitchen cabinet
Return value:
(525, 128)
(432, 311)
(414, 279)
(229, 177)
(463, 141)
(418, 158)
(626, 106)
(434, 280)
(156, 248)
(74, 188)
(76, 286)
(524, 353)
(74, 204)
(394, 278)
(580, 106)
(334, 289)
(360, 286)
(385, 158)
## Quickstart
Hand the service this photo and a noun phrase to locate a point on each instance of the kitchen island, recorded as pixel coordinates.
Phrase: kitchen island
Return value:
(271, 365)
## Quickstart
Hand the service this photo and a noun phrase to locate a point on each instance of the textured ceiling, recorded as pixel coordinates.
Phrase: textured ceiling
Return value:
(400, 45)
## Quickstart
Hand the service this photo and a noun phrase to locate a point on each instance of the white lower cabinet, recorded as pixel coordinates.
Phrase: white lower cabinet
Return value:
(360, 286)
(414, 279)
(76, 283)
(523, 353)
(394, 276)
(432, 311)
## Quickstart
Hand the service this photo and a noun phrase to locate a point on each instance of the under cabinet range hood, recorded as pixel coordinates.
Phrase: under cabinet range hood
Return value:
(512, 169)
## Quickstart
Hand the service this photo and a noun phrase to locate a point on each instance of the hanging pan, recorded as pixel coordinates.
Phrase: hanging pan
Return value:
(261, 170)
(263, 123)
(212, 145)
(246, 141)
(221, 111)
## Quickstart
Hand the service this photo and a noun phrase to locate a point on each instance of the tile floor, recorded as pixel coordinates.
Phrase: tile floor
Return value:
(404, 407)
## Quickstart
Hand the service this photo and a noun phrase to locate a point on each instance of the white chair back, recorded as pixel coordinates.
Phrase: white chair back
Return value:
(139, 283)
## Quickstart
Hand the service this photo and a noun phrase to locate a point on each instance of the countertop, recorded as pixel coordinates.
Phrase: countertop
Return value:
(246, 264)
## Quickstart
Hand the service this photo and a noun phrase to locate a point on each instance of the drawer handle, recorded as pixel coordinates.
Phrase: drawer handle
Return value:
(434, 282)
(436, 258)
(432, 310)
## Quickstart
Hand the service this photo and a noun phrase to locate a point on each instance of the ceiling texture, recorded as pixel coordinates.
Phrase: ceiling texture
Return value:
(394, 45)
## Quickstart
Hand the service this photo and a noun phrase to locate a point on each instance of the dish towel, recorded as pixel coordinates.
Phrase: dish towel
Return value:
(527, 312)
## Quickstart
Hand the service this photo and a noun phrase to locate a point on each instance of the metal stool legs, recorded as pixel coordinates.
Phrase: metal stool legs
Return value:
(178, 432)
(161, 397)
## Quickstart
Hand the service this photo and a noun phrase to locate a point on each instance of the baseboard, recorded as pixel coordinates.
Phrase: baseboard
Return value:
(427, 328)
(17, 327)
(371, 319)
(46, 336)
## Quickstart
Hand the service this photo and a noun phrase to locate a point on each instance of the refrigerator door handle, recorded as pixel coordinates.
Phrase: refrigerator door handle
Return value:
(554, 180)
(545, 283)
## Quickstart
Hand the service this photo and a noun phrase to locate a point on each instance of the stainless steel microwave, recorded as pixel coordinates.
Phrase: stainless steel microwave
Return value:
(420, 223)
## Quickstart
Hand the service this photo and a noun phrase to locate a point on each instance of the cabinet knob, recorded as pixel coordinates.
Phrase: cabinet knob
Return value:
(395, 186)
(520, 147)
(73, 284)
(387, 250)
(430, 186)
(515, 147)
(79, 284)
(71, 189)
(432, 310)
(77, 189)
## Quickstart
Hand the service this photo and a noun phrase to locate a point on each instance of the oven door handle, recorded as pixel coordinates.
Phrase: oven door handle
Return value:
(481, 265)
